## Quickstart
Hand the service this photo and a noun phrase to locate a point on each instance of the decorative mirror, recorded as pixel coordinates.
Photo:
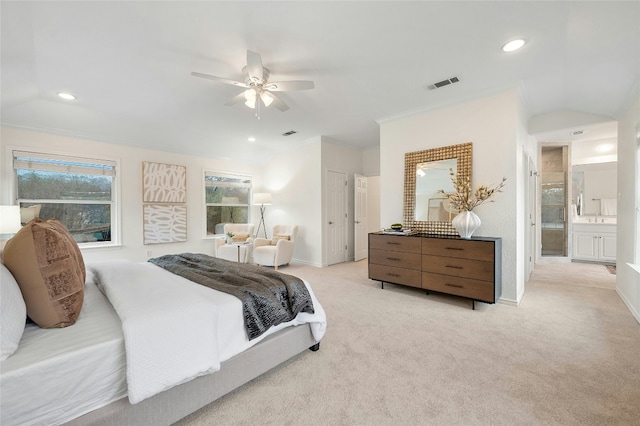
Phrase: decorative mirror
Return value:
(425, 172)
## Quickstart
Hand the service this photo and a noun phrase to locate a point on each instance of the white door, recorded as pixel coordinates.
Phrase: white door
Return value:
(360, 217)
(530, 226)
(336, 214)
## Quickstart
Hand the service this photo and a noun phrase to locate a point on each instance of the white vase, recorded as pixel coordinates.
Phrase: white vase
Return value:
(466, 222)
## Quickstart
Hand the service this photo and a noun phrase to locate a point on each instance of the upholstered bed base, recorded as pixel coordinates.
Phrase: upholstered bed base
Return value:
(180, 401)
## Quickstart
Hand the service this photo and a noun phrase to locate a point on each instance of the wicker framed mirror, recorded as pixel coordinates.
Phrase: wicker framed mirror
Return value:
(425, 172)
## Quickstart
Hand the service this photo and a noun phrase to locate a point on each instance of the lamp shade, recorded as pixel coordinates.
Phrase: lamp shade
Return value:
(261, 198)
(9, 219)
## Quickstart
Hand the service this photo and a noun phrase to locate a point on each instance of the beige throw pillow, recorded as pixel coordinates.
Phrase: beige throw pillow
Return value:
(276, 237)
(27, 214)
(240, 237)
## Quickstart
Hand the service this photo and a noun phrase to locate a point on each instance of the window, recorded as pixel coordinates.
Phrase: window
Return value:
(79, 192)
(227, 200)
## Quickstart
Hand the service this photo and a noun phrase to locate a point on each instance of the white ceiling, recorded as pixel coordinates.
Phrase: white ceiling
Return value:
(129, 65)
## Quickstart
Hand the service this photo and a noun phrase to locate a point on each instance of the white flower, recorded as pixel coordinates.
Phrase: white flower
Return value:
(462, 199)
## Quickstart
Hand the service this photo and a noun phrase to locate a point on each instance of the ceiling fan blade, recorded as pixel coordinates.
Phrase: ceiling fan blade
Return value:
(282, 86)
(254, 66)
(220, 79)
(278, 104)
(236, 99)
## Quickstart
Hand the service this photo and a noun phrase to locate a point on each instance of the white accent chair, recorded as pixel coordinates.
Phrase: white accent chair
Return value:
(243, 233)
(279, 249)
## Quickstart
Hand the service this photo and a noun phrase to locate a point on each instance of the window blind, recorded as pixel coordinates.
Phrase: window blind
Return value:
(63, 164)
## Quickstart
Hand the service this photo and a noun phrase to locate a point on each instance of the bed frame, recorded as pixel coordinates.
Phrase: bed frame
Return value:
(172, 405)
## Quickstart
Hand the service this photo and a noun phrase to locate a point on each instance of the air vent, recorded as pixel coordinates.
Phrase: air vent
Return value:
(443, 83)
(289, 133)
(577, 132)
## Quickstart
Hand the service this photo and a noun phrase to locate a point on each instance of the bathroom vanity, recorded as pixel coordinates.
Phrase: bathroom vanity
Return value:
(594, 241)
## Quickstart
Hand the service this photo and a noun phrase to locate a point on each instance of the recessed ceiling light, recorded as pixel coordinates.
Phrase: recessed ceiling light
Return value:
(66, 96)
(513, 45)
(251, 139)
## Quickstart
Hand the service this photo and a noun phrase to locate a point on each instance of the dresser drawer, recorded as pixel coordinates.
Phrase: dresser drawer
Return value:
(476, 269)
(466, 249)
(466, 287)
(395, 275)
(394, 258)
(395, 243)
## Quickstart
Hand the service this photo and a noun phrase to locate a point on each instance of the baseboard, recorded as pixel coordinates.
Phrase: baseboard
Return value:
(634, 313)
(307, 263)
(633, 270)
(509, 302)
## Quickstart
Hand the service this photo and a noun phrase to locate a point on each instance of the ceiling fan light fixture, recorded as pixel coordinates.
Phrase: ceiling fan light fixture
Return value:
(267, 99)
(250, 96)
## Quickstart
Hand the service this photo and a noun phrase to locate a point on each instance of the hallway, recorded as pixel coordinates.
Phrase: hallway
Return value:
(551, 271)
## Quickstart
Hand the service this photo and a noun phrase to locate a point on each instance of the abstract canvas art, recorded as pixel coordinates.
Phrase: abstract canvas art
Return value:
(165, 223)
(164, 183)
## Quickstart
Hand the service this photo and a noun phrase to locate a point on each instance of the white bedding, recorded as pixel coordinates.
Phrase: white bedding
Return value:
(40, 385)
(165, 322)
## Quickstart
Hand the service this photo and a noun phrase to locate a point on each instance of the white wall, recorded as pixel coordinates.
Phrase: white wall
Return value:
(371, 161)
(130, 185)
(373, 204)
(495, 127)
(294, 179)
(627, 278)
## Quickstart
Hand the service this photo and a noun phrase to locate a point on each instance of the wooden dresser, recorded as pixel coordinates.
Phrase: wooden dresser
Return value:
(468, 268)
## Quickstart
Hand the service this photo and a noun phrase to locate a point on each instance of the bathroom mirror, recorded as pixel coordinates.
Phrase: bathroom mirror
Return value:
(426, 172)
(593, 190)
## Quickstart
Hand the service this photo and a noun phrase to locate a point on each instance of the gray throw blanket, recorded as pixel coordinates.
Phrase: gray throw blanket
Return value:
(268, 297)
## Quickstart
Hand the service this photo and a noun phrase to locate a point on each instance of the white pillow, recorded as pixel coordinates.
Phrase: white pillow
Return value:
(13, 313)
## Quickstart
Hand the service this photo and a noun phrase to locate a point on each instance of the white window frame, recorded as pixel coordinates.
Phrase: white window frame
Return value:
(110, 167)
(229, 184)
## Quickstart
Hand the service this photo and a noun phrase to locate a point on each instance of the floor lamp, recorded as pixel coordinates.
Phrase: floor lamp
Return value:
(261, 199)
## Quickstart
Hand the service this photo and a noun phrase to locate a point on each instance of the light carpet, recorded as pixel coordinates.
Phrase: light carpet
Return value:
(569, 354)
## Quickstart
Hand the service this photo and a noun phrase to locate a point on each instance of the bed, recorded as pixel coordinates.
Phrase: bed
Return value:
(192, 348)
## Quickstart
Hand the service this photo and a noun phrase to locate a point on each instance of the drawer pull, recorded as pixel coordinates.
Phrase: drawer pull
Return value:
(454, 285)
(453, 267)
(396, 259)
(454, 248)
(393, 243)
(392, 275)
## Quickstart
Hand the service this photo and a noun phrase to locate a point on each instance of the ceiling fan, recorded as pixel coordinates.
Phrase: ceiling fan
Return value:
(258, 88)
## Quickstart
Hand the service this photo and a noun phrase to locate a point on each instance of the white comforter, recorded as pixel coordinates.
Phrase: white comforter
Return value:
(176, 330)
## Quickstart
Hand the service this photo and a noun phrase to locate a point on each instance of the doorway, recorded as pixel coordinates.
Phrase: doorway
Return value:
(553, 200)
(336, 213)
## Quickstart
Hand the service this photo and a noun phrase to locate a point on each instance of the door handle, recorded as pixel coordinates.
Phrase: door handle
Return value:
(330, 223)
(357, 221)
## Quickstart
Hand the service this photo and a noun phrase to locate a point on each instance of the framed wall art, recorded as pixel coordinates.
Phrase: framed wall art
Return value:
(164, 223)
(163, 183)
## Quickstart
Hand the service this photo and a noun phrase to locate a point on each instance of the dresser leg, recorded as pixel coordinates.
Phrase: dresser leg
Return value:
(382, 285)
(473, 304)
